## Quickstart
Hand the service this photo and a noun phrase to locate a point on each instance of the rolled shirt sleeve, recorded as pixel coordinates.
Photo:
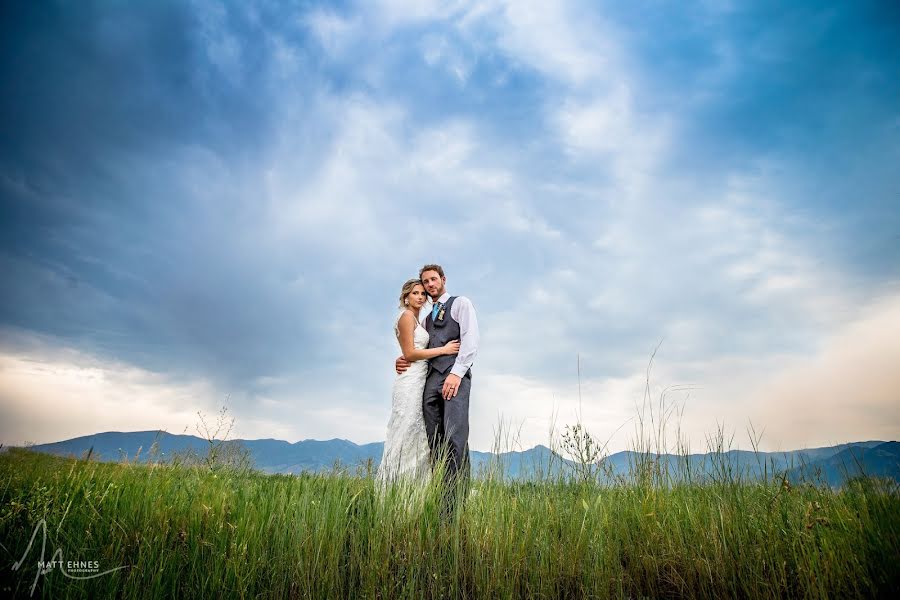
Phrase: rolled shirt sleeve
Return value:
(464, 313)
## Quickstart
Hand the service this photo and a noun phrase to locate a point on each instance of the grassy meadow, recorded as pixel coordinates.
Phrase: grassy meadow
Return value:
(201, 532)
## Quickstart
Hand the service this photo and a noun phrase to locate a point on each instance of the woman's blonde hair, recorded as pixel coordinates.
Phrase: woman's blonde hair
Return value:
(407, 289)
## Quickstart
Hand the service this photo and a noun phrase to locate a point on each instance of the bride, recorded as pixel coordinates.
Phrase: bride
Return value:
(406, 453)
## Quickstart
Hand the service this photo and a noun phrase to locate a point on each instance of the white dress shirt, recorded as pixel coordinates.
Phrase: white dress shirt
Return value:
(463, 313)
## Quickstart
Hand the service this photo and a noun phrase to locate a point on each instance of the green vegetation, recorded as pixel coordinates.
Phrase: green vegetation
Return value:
(193, 531)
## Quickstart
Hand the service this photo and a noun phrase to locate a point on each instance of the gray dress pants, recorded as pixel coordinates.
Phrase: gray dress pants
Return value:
(447, 426)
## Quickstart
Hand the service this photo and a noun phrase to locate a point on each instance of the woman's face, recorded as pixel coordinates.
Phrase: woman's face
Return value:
(416, 297)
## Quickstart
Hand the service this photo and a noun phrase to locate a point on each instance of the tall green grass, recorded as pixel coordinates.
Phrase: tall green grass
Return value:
(194, 532)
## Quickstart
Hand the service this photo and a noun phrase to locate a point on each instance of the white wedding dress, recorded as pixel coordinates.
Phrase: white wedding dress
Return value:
(406, 455)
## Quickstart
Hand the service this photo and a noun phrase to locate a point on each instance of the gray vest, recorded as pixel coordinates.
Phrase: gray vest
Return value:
(440, 332)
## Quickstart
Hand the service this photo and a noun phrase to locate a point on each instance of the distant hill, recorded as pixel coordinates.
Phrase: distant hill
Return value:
(831, 465)
(269, 455)
(882, 460)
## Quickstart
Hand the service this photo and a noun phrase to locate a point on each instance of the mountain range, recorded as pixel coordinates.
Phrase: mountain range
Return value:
(831, 465)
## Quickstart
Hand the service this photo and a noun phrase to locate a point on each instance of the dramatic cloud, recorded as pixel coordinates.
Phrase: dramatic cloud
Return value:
(201, 201)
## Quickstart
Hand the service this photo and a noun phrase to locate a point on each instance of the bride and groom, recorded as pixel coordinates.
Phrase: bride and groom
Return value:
(438, 336)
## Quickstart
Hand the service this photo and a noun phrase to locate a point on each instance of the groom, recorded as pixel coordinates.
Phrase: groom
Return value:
(445, 401)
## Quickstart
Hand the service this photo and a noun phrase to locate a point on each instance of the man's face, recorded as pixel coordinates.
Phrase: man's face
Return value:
(434, 283)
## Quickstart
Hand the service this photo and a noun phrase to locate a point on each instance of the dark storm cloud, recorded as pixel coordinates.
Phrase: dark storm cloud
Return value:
(125, 128)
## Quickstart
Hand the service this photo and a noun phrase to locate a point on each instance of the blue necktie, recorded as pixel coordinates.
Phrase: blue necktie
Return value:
(434, 310)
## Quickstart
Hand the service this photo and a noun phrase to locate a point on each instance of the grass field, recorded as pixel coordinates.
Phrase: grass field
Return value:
(192, 532)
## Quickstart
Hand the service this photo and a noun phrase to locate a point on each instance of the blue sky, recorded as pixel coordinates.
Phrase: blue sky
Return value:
(203, 201)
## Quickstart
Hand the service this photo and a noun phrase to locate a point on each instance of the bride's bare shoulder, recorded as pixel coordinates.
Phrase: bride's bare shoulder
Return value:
(407, 316)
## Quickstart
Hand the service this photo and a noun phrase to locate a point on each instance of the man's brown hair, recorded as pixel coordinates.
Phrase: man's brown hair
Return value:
(437, 268)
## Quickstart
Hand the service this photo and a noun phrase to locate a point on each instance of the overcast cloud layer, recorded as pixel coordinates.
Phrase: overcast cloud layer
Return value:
(201, 201)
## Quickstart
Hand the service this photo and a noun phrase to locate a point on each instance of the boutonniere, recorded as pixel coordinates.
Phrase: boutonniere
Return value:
(440, 316)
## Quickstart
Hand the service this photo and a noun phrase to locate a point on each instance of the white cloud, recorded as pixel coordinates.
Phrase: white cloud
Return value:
(389, 183)
(536, 410)
(848, 390)
(334, 32)
(50, 392)
(222, 47)
(439, 51)
(561, 41)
